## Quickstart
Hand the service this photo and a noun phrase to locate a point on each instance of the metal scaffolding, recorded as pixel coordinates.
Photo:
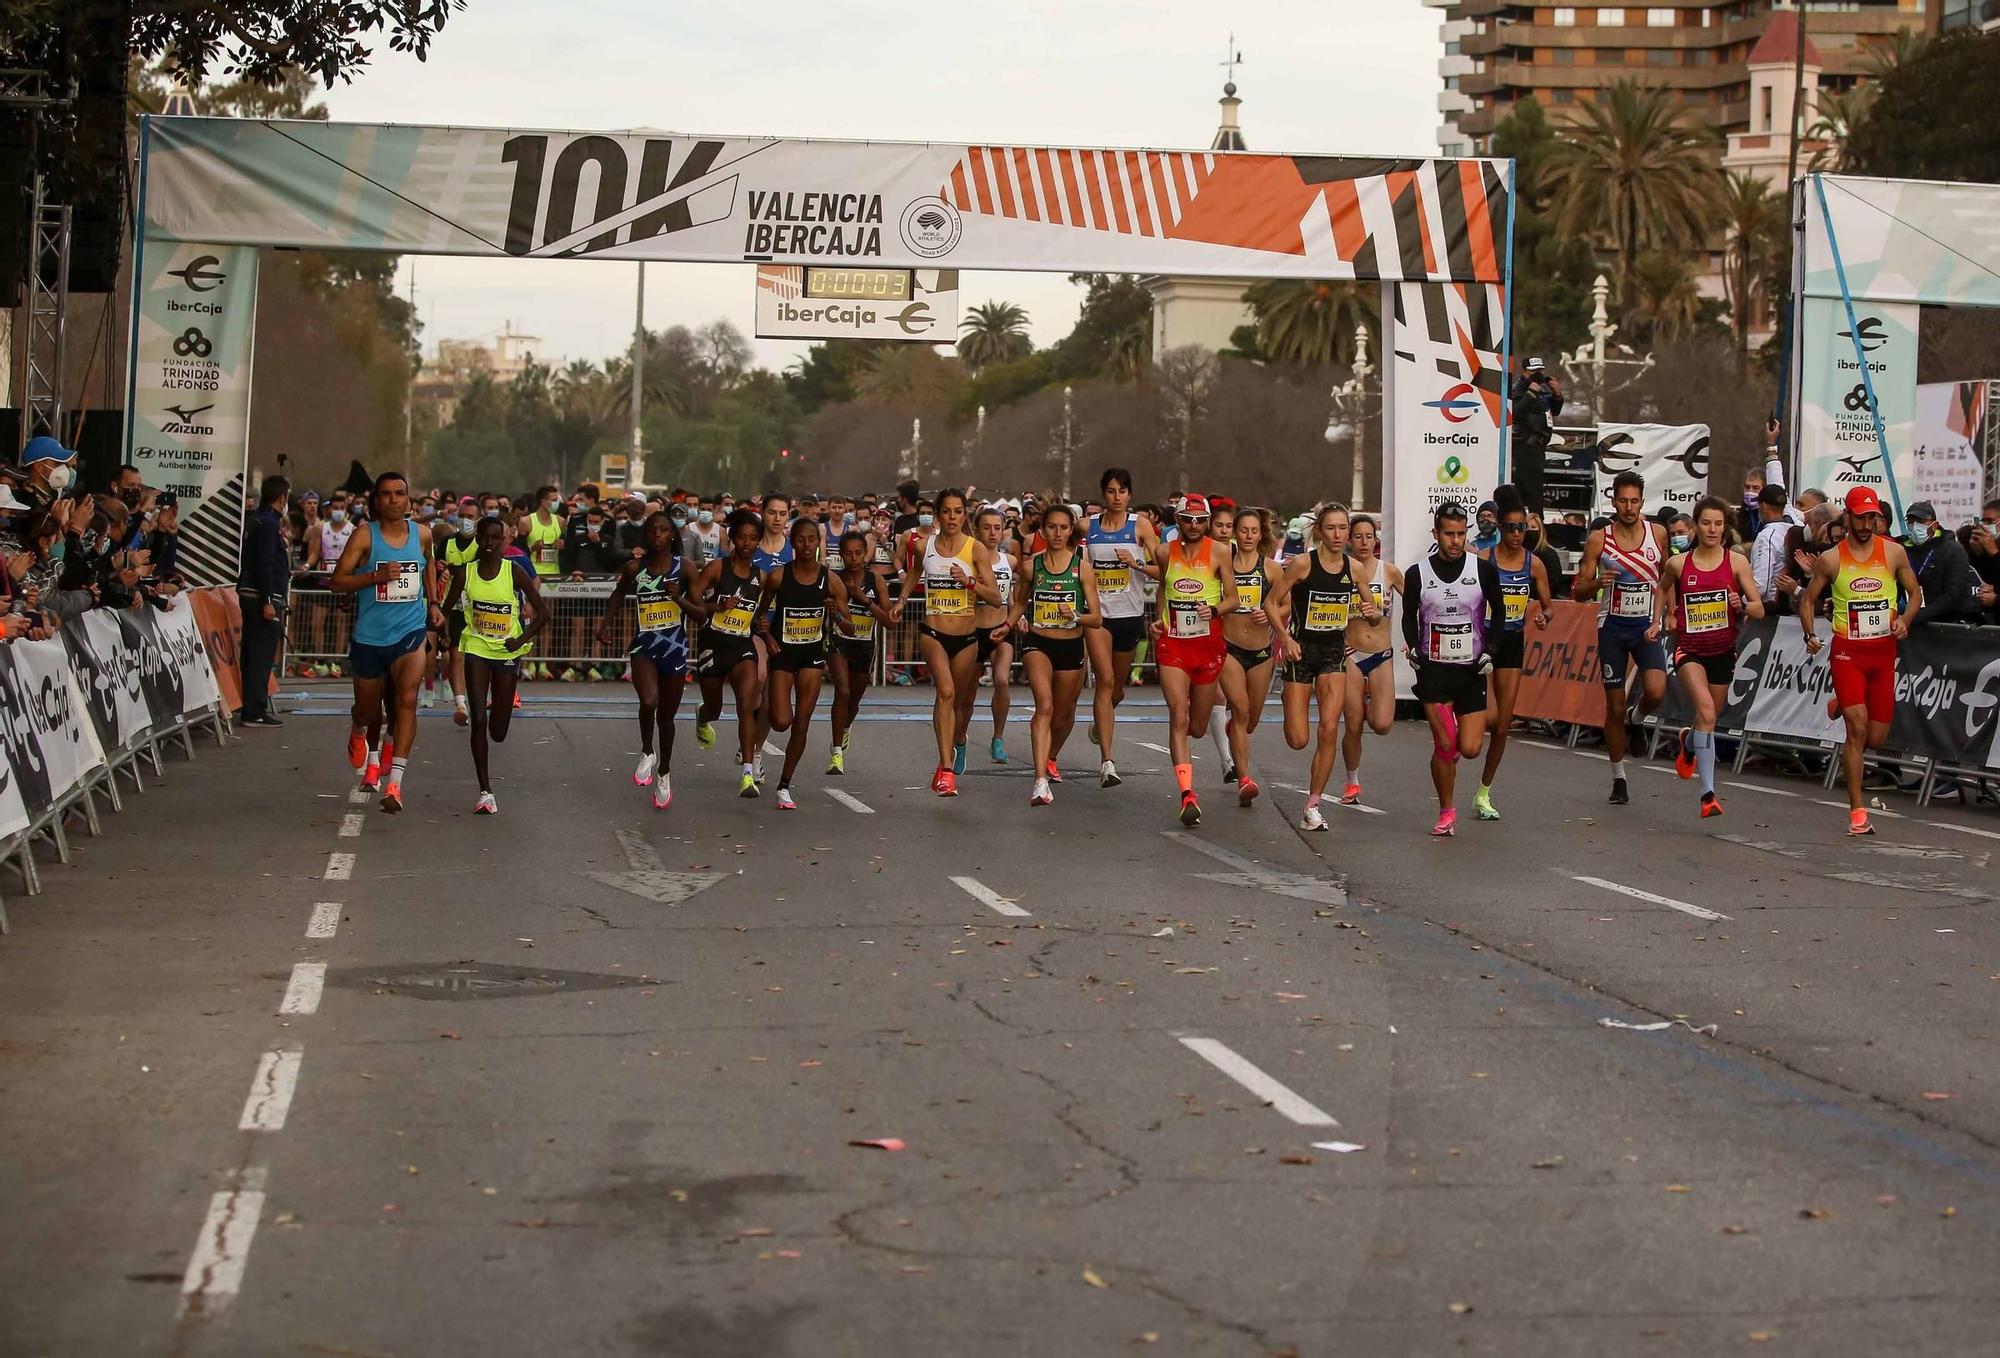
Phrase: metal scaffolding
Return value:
(48, 314)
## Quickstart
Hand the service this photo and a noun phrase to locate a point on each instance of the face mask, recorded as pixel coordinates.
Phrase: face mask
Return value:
(60, 477)
(1681, 542)
(57, 552)
(1531, 539)
(679, 519)
(489, 514)
(1920, 533)
(706, 516)
(339, 516)
(1486, 539)
(923, 521)
(1750, 499)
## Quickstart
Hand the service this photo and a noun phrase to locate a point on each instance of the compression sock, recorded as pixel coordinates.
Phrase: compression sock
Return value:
(1184, 775)
(1703, 744)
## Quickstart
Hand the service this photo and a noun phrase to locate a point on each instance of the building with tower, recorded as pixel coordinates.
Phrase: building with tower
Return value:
(1202, 311)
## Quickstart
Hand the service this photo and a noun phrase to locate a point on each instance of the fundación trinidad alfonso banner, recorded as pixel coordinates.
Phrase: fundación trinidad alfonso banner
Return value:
(187, 416)
(1838, 446)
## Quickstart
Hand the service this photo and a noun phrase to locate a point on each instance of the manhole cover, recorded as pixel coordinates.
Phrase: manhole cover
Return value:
(474, 981)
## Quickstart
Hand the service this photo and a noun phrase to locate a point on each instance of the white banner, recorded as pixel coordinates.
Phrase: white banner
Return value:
(187, 424)
(1951, 421)
(174, 670)
(46, 730)
(1791, 701)
(1672, 457)
(1838, 448)
(1442, 399)
(107, 665)
(842, 303)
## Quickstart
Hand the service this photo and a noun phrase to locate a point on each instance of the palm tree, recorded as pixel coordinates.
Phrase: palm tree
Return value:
(1668, 295)
(1131, 349)
(1885, 59)
(993, 332)
(1752, 216)
(1639, 172)
(1308, 321)
(1840, 112)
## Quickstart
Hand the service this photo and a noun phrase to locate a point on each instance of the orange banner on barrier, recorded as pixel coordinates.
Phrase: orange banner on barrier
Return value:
(220, 618)
(1560, 677)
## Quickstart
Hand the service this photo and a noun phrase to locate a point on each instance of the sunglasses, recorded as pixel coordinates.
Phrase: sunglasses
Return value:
(1511, 527)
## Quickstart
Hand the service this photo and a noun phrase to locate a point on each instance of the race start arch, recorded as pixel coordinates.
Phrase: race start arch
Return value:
(1437, 234)
(1871, 254)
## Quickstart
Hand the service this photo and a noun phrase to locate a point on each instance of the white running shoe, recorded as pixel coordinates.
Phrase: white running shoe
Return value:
(663, 792)
(1107, 775)
(1312, 819)
(1042, 795)
(486, 805)
(757, 767)
(643, 775)
(784, 800)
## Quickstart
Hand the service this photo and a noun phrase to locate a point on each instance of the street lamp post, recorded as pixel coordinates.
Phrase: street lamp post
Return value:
(1599, 354)
(1069, 439)
(1349, 409)
(635, 471)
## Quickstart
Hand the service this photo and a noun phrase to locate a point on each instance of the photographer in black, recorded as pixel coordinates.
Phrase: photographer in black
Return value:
(1536, 399)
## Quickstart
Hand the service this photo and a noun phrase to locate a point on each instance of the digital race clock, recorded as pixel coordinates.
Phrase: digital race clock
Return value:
(860, 285)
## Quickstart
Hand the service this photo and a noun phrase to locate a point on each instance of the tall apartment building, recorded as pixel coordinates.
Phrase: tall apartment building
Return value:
(1497, 52)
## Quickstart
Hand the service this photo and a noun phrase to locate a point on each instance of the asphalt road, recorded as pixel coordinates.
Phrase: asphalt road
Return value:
(586, 1079)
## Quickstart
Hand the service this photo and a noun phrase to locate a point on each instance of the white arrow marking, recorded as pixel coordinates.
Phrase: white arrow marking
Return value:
(649, 878)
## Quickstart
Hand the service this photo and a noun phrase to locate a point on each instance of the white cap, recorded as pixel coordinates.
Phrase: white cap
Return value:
(8, 504)
(1533, 364)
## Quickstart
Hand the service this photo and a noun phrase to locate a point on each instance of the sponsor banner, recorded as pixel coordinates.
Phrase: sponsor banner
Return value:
(1948, 694)
(474, 191)
(878, 304)
(1792, 688)
(218, 613)
(1442, 402)
(1672, 457)
(107, 670)
(187, 424)
(1753, 645)
(1903, 240)
(1560, 680)
(1838, 447)
(49, 742)
(1951, 425)
(174, 673)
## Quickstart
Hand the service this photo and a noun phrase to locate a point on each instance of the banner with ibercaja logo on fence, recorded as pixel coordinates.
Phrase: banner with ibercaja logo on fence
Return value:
(187, 420)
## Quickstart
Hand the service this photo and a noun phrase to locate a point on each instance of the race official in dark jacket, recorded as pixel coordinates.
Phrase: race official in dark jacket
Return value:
(1536, 399)
(262, 582)
(1951, 586)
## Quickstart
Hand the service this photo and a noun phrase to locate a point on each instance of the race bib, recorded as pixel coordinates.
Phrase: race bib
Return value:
(492, 622)
(864, 622)
(1326, 612)
(1708, 611)
(1050, 607)
(944, 597)
(733, 621)
(803, 626)
(1114, 574)
(1516, 598)
(406, 588)
(1185, 620)
(1451, 643)
(1868, 619)
(659, 615)
(545, 554)
(1630, 600)
(1249, 593)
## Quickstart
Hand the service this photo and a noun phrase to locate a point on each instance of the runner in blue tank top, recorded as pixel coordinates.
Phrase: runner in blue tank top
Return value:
(386, 566)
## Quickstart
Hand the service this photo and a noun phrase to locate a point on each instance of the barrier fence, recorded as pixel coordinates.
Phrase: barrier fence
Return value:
(1946, 723)
(81, 709)
(319, 624)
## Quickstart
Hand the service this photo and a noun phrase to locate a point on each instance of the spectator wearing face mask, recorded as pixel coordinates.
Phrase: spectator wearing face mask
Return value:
(325, 546)
(1951, 587)
(1982, 545)
(703, 536)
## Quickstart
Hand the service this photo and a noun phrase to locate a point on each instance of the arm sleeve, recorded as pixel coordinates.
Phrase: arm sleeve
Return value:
(1409, 605)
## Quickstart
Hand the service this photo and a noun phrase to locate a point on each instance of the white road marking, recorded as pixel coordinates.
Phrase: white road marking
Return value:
(1257, 1082)
(1331, 801)
(1758, 787)
(987, 896)
(1699, 912)
(1961, 829)
(649, 879)
(271, 1091)
(303, 991)
(339, 867)
(1883, 812)
(358, 796)
(215, 1269)
(325, 920)
(1161, 749)
(774, 751)
(1256, 876)
(350, 825)
(851, 803)
(641, 855)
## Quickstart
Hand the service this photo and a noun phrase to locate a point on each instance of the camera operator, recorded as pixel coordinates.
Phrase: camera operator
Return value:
(1982, 546)
(1536, 399)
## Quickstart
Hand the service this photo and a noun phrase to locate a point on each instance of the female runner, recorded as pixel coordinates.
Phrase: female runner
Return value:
(955, 569)
(1248, 664)
(1522, 577)
(1318, 608)
(1059, 596)
(1708, 592)
(657, 583)
(491, 589)
(1371, 677)
(730, 587)
(852, 661)
(792, 620)
(996, 649)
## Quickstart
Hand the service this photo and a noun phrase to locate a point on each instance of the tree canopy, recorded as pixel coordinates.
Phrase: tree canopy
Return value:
(1929, 119)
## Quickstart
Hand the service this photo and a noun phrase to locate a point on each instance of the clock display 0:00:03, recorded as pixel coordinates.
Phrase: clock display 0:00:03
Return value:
(860, 285)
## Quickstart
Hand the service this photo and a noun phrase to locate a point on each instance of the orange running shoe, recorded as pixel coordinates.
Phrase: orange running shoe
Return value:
(947, 783)
(1054, 773)
(371, 777)
(357, 749)
(1246, 791)
(1351, 795)
(1857, 823)
(1710, 806)
(392, 798)
(1684, 757)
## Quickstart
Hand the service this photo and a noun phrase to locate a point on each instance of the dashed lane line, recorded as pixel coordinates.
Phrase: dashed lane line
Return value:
(302, 992)
(987, 896)
(215, 1269)
(325, 920)
(271, 1090)
(1287, 1103)
(358, 796)
(350, 825)
(1699, 912)
(339, 867)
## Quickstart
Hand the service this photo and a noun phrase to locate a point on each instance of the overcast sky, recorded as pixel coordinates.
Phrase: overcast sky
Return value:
(1349, 76)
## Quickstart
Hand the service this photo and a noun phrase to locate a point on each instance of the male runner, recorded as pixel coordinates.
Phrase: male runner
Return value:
(1455, 605)
(1626, 555)
(385, 565)
(542, 534)
(1123, 550)
(1864, 571)
(1197, 591)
